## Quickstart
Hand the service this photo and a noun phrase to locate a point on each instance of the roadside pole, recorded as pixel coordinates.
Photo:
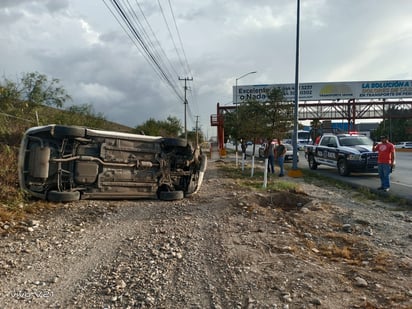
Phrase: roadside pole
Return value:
(265, 173)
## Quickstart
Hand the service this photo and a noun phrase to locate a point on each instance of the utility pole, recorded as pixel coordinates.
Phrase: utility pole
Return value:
(197, 131)
(185, 102)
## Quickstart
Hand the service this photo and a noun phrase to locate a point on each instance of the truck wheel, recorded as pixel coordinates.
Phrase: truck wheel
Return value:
(343, 167)
(312, 163)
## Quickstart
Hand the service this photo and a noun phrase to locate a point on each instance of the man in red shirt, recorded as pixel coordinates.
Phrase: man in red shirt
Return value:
(386, 161)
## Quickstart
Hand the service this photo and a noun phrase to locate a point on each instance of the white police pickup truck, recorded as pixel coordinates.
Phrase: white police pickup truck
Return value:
(347, 152)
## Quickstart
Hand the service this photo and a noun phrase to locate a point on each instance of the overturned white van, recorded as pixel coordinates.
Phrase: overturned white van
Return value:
(66, 163)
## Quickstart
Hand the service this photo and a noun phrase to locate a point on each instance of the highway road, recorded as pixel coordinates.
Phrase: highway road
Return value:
(401, 178)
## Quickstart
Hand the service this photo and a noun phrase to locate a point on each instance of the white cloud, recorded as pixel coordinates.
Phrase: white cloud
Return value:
(101, 93)
(81, 43)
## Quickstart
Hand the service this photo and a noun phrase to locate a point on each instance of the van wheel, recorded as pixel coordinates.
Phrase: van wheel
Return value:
(312, 163)
(66, 131)
(57, 196)
(343, 167)
(171, 195)
(203, 163)
(175, 142)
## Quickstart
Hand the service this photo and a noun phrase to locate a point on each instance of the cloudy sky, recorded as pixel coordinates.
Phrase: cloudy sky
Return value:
(81, 43)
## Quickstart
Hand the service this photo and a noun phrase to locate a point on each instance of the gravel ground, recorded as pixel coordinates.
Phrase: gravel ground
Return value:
(226, 247)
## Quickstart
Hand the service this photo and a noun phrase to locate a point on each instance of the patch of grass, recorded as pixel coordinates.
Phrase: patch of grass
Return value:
(365, 193)
(11, 197)
(318, 179)
(256, 182)
(9, 182)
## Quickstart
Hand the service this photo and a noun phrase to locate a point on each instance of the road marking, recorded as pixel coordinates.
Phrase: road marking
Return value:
(402, 184)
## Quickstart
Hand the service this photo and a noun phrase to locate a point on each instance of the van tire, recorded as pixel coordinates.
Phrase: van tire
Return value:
(65, 131)
(57, 196)
(171, 195)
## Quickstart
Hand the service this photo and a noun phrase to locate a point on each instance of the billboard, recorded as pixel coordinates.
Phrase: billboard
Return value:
(387, 89)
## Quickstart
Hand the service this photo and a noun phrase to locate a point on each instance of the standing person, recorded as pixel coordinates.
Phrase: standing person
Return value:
(317, 140)
(386, 161)
(271, 156)
(280, 157)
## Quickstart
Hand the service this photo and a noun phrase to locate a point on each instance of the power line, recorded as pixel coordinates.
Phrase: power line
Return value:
(156, 40)
(189, 71)
(139, 30)
(186, 62)
(170, 34)
(151, 57)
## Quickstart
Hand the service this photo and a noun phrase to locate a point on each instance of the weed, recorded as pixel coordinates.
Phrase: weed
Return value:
(256, 182)
(11, 197)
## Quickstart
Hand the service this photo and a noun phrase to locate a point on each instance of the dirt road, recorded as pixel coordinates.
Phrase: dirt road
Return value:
(226, 247)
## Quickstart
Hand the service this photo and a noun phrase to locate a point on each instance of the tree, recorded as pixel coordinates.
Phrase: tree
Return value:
(397, 129)
(21, 100)
(172, 127)
(36, 89)
(194, 137)
(31, 91)
(251, 120)
(9, 96)
(279, 115)
(169, 128)
(255, 120)
(230, 124)
(81, 114)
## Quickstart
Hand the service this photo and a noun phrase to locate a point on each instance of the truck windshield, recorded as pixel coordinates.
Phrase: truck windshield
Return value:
(355, 140)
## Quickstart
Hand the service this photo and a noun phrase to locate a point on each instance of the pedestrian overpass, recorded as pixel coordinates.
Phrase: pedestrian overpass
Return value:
(350, 101)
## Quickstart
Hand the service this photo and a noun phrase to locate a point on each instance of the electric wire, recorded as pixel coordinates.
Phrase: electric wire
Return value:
(138, 29)
(150, 56)
(155, 42)
(186, 65)
(170, 34)
(132, 39)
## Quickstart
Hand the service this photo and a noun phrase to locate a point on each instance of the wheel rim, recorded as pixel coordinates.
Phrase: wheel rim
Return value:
(342, 167)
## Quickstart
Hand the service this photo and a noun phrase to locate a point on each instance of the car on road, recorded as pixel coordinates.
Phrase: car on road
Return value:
(68, 163)
(261, 150)
(403, 145)
(289, 153)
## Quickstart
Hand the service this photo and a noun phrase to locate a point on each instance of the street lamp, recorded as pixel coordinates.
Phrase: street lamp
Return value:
(253, 72)
(237, 121)
(295, 172)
